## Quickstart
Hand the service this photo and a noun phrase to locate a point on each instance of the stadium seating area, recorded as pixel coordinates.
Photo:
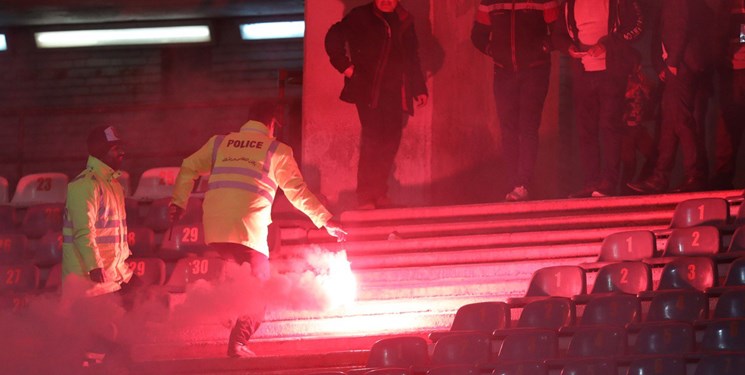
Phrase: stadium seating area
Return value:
(638, 285)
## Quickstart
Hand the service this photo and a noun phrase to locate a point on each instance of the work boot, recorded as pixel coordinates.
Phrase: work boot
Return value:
(690, 185)
(652, 185)
(519, 193)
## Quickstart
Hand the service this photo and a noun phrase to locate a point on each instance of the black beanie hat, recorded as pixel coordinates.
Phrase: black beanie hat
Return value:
(101, 139)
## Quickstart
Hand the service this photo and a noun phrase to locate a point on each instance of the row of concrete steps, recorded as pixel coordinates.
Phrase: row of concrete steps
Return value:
(414, 268)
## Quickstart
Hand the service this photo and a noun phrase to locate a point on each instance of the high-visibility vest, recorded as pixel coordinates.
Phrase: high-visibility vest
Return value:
(94, 233)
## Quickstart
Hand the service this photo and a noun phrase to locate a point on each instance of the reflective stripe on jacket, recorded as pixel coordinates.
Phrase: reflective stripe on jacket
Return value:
(246, 168)
(95, 228)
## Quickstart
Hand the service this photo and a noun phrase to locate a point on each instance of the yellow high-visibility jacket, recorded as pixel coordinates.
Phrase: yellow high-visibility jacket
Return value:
(245, 168)
(95, 228)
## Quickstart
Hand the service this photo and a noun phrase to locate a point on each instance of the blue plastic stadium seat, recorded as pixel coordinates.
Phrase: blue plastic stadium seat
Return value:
(701, 211)
(47, 251)
(481, 316)
(551, 313)
(664, 338)
(681, 305)
(18, 278)
(43, 218)
(731, 304)
(614, 310)
(724, 335)
(471, 348)
(181, 240)
(525, 345)
(721, 364)
(553, 281)
(597, 342)
(660, 365)
(697, 273)
(157, 215)
(632, 245)
(404, 351)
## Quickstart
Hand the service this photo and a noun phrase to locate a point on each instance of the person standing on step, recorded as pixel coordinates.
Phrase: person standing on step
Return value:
(515, 34)
(246, 168)
(376, 49)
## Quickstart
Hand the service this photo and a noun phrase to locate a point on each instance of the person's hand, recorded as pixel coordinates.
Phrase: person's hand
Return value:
(597, 50)
(575, 53)
(421, 100)
(673, 70)
(348, 72)
(334, 229)
(661, 76)
(97, 275)
(175, 213)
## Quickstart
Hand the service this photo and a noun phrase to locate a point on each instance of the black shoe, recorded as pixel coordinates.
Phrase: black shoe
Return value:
(648, 186)
(690, 185)
(239, 350)
(585, 192)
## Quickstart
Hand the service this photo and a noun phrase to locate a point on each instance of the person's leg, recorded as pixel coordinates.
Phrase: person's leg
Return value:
(610, 117)
(689, 129)
(246, 325)
(506, 92)
(586, 122)
(730, 129)
(534, 87)
(380, 137)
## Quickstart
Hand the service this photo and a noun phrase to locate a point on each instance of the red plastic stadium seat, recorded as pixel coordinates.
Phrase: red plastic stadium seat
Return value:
(19, 278)
(13, 248)
(692, 241)
(632, 245)
(556, 281)
(405, 351)
(43, 218)
(157, 215)
(472, 348)
(623, 277)
(688, 273)
(721, 364)
(551, 313)
(190, 269)
(661, 365)
(724, 335)
(731, 304)
(521, 368)
(736, 247)
(589, 367)
(156, 183)
(48, 249)
(181, 240)
(701, 211)
(141, 241)
(40, 188)
(529, 345)
(681, 305)
(615, 310)
(151, 271)
(664, 338)
(481, 316)
(735, 277)
(7, 219)
(597, 341)
(454, 370)
(389, 371)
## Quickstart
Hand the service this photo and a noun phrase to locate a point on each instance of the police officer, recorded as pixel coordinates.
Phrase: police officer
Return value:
(246, 168)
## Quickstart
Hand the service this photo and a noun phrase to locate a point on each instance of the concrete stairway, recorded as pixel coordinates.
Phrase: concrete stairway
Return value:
(414, 268)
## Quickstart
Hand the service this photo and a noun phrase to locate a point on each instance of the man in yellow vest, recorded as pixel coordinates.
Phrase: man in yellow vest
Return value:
(246, 168)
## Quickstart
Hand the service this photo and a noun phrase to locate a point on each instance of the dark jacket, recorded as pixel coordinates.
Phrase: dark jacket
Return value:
(687, 30)
(515, 33)
(625, 25)
(364, 38)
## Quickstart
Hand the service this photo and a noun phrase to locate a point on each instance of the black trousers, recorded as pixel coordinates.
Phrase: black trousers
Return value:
(379, 141)
(246, 325)
(598, 110)
(682, 122)
(519, 97)
(729, 131)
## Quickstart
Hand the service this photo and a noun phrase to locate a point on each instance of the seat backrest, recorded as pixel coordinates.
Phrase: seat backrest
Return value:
(736, 273)
(389, 371)
(721, 364)
(662, 365)
(590, 367)
(48, 249)
(700, 211)
(13, 248)
(665, 338)
(682, 305)
(731, 304)
(626, 277)
(454, 370)
(19, 278)
(157, 217)
(628, 245)
(692, 241)
(597, 341)
(688, 273)
(724, 335)
(43, 218)
(403, 351)
(181, 240)
(558, 281)
(54, 278)
(737, 242)
(141, 240)
(529, 345)
(468, 348)
(151, 271)
(40, 188)
(4, 190)
(192, 268)
(481, 316)
(156, 183)
(521, 368)
(551, 313)
(616, 310)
